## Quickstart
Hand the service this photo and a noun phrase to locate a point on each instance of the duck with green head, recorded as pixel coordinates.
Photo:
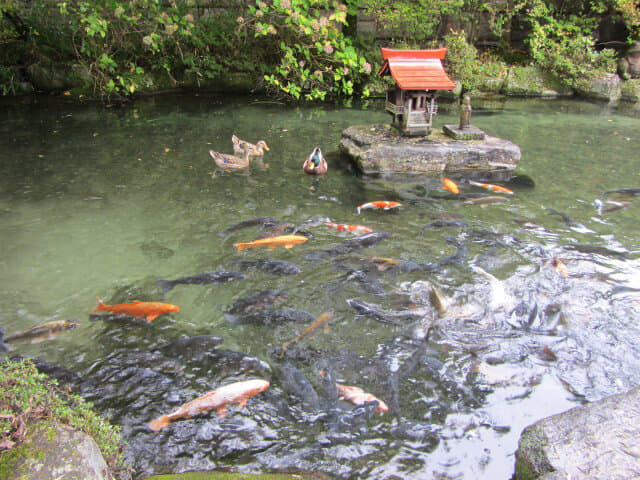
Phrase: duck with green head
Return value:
(315, 164)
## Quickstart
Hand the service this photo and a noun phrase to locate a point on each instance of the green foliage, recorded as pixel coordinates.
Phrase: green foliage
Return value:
(119, 42)
(461, 58)
(315, 57)
(27, 395)
(565, 47)
(412, 23)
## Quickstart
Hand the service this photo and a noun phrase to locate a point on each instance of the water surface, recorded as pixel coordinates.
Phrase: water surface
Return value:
(103, 202)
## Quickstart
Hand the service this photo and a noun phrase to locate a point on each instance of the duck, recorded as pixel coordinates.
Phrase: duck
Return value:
(256, 150)
(228, 161)
(315, 164)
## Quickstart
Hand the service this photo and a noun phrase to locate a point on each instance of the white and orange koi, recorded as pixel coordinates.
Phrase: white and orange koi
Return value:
(491, 186)
(382, 204)
(238, 392)
(357, 396)
(343, 227)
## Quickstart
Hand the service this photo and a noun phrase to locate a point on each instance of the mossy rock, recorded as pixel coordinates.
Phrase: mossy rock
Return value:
(54, 451)
(230, 476)
(531, 81)
(55, 77)
(631, 91)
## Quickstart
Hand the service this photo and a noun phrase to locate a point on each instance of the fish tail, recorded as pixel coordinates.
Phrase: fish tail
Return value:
(101, 306)
(165, 285)
(160, 423)
(240, 246)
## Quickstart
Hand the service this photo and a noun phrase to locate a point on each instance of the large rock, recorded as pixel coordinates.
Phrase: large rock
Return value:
(532, 82)
(605, 88)
(55, 451)
(600, 440)
(379, 149)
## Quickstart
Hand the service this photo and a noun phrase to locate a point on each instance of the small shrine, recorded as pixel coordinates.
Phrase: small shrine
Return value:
(419, 75)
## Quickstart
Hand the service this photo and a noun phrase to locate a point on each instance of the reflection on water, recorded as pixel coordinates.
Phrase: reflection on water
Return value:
(105, 202)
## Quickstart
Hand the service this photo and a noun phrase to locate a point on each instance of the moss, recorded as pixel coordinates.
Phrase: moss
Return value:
(29, 398)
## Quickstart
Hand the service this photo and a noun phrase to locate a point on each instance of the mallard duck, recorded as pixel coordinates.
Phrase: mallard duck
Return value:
(256, 150)
(227, 161)
(315, 164)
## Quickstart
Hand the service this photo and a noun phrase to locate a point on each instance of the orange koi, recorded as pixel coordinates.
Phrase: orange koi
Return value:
(560, 267)
(286, 241)
(490, 186)
(148, 310)
(383, 204)
(342, 227)
(448, 184)
(218, 399)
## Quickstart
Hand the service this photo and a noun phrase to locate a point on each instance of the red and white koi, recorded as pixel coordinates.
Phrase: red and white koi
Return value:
(382, 204)
(491, 186)
(343, 227)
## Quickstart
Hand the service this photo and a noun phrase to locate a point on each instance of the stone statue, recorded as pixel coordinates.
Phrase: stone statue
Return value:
(629, 65)
(465, 113)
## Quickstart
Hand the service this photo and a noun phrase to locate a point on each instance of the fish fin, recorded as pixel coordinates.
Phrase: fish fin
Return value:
(288, 245)
(165, 285)
(222, 411)
(152, 316)
(243, 402)
(358, 210)
(101, 306)
(271, 247)
(160, 423)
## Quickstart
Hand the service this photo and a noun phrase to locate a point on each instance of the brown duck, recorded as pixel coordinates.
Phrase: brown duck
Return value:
(233, 162)
(256, 150)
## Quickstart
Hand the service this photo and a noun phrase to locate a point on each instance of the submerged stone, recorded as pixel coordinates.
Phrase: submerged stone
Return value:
(378, 149)
(595, 441)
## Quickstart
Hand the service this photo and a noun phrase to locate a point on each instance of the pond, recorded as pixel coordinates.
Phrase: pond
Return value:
(106, 202)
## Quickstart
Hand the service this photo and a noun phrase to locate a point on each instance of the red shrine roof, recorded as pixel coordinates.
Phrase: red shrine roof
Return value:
(416, 69)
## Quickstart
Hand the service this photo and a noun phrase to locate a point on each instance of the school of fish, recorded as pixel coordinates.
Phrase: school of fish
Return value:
(240, 392)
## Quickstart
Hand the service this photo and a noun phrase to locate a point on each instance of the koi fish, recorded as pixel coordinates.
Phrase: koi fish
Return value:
(286, 241)
(383, 204)
(342, 227)
(321, 320)
(490, 186)
(41, 332)
(206, 278)
(148, 310)
(560, 267)
(483, 201)
(357, 396)
(448, 184)
(218, 399)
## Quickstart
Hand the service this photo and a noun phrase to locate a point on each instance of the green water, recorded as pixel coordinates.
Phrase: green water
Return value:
(103, 202)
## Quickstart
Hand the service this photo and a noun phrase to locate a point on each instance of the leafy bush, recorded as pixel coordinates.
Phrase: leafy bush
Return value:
(315, 57)
(565, 48)
(461, 58)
